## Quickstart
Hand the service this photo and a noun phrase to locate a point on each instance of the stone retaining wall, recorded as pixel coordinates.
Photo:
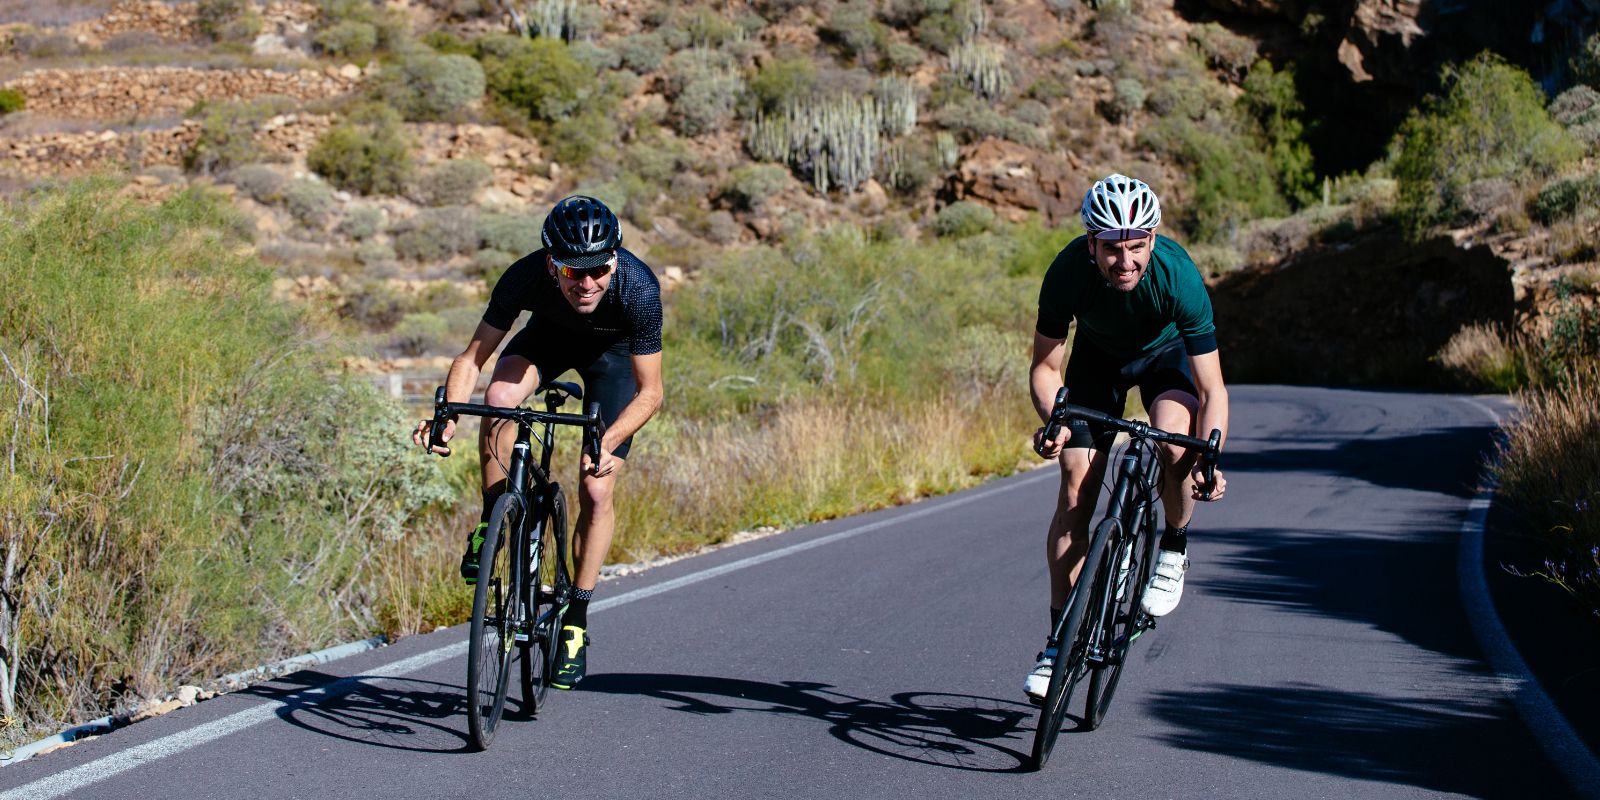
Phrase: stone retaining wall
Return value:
(127, 93)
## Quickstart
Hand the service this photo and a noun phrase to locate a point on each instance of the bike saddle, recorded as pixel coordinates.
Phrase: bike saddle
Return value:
(567, 388)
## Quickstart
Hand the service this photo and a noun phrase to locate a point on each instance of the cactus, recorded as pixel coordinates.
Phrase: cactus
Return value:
(973, 17)
(949, 152)
(833, 141)
(548, 18)
(981, 67)
(897, 101)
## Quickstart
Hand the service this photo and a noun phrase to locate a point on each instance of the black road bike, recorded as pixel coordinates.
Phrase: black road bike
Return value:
(524, 582)
(1103, 614)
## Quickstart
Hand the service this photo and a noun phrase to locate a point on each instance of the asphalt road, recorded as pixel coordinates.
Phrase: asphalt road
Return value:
(1321, 650)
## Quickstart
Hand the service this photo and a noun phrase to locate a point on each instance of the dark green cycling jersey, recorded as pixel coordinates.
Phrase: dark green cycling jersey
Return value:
(1170, 302)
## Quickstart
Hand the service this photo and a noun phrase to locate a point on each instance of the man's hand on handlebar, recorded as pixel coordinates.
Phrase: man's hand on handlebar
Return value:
(1050, 449)
(419, 436)
(608, 463)
(1198, 476)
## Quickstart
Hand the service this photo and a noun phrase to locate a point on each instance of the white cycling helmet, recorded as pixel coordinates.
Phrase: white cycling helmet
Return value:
(1120, 207)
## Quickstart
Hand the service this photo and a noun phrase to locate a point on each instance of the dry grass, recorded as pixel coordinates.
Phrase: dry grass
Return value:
(53, 13)
(1481, 358)
(1547, 470)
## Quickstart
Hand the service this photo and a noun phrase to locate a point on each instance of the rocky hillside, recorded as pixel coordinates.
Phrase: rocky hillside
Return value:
(690, 118)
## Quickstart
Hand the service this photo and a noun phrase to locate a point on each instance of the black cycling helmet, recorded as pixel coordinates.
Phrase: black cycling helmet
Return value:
(581, 232)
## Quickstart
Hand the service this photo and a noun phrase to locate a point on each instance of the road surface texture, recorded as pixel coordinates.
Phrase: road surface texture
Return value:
(1321, 650)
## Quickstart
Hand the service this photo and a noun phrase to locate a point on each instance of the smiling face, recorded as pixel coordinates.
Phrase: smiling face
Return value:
(1122, 263)
(584, 288)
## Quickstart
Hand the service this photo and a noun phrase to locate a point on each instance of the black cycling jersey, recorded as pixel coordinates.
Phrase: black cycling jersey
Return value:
(629, 311)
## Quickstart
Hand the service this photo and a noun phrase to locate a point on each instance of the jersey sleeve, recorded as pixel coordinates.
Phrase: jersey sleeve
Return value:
(642, 305)
(1057, 293)
(508, 298)
(1192, 309)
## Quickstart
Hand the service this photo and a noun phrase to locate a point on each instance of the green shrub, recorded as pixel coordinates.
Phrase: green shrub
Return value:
(963, 218)
(389, 26)
(213, 17)
(362, 222)
(1232, 180)
(451, 183)
(1127, 97)
(1562, 198)
(1490, 123)
(436, 234)
(594, 56)
(420, 334)
(707, 105)
(642, 52)
(227, 137)
(490, 264)
(748, 186)
(373, 252)
(424, 86)
(258, 181)
(11, 100)
(780, 81)
(367, 154)
(1223, 49)
(707, 28)
(308, 201)
(903, 56)
(1269, 96)
(852, 29)
(972, 119)
(510, 233)
(1576, 106)
(447, 42)
(541, 79)
(350, 39)
(908, 165)
(1586, 64)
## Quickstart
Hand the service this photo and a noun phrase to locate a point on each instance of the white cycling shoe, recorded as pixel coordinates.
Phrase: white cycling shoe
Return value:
(1038, 682)
(1166, 585)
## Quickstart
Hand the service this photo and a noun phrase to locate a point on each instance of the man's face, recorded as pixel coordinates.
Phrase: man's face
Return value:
(1122, 263)
(583, 288)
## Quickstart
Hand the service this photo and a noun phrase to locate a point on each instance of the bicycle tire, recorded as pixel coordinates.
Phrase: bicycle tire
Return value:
(538, 653)
(494, 612)
(1071, 653)
(1119, 629)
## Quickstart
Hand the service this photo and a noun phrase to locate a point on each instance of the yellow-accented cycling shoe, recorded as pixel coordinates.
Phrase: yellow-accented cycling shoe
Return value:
(571, 657)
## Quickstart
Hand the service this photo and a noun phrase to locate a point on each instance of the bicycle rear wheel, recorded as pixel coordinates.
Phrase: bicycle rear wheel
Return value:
(549, 577)
(495, 620)
(1126, 621)
(1072, 648)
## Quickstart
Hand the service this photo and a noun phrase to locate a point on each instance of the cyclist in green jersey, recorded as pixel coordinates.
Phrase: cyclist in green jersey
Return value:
(1143, 319)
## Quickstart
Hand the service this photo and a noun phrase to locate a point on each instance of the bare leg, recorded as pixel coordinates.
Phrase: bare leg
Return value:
(1174, 412)
(1082, 470)
(514, 379)
(597, 521)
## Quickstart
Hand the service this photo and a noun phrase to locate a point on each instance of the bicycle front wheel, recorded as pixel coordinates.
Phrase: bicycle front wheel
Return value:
(548, 573)
(495, 621)
(1072, 648)
(1128, 565)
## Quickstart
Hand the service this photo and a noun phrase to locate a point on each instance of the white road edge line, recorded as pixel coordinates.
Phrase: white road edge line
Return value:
(67, 781)
(1560, 742)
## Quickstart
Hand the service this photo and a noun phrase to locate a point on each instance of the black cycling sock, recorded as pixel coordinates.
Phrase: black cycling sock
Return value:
(578, 609)
(1175, 540)
(1055, 614)
(489, 496)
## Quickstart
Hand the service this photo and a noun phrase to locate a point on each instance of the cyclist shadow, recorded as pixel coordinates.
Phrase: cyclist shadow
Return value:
(396, 713)
(954, 731)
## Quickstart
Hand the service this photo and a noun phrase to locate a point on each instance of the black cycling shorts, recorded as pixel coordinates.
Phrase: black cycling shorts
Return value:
(1101, 381)
(606, 370)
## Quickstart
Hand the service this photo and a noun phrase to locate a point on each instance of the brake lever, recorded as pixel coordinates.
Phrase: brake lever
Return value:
(597, 430)
(1052, 426)
(1208, 464)
(436, 430)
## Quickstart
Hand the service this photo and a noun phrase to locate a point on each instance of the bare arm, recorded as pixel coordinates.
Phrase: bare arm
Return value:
(646, 401)
(1213, 416)
(1044, 379)
(461, 380)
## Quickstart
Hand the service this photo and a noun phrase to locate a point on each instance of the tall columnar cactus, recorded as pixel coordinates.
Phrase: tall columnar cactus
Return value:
(981, 67)
(832, 141)
(973, 17)
(548, 18)
(944, 143)
(897, 102)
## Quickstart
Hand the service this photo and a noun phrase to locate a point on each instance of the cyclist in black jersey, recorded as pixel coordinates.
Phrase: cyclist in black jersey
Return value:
(1143, 319)
(595, 308)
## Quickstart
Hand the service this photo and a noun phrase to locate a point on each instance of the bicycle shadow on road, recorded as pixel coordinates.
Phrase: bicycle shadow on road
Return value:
(394, 713)
(955, 731)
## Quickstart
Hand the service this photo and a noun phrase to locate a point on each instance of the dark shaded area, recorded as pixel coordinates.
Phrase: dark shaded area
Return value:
(394, 713)
(1402, 462)
(962, 732)
(1556, 636)
(1373, 312)
(1360, 736)
(1361, 67)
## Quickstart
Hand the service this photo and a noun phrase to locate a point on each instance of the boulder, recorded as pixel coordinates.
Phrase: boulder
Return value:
(1016, 180)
